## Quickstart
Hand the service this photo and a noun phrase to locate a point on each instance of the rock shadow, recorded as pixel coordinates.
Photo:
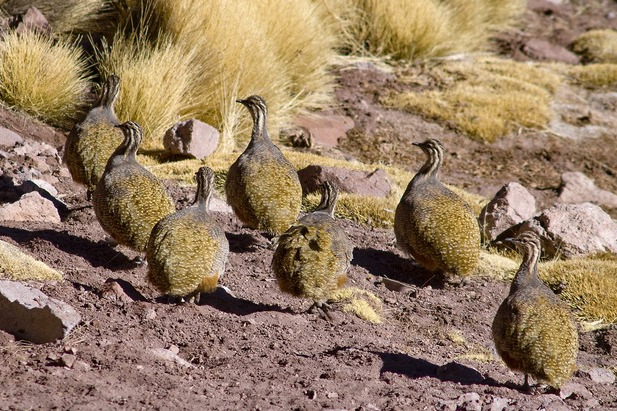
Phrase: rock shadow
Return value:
(98, 254)
(225, 302)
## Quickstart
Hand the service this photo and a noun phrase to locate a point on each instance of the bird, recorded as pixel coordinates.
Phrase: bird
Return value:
(434, 225)
(533, 330)
(312, 257)
(128, 199)
(91, 142)
(187, 250)
(262, 186)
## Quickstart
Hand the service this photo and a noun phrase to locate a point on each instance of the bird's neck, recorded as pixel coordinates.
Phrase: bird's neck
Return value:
(259, 134)
(527, 273)
(203, 195)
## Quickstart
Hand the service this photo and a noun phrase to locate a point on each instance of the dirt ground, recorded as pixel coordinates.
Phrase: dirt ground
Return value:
(260, 349)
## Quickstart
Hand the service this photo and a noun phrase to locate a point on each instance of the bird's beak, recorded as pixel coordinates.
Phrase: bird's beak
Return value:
(241, 101)
(416, 144)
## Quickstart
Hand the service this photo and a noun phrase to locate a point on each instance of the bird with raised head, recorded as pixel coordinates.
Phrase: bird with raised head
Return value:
(262, 187)
(533, 330)
(433, 224)
(187, 250)
(91, 142)
(128, 199)
(312, 257)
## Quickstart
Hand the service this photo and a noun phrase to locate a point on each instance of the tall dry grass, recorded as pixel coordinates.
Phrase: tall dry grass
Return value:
(43, 77)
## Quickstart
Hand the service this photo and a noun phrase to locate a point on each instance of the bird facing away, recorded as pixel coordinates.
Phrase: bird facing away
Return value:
(312, 257)
(91, 142)
(262, 187)
(434, 225)
(187, 250)
(533, 329)
(129, 200)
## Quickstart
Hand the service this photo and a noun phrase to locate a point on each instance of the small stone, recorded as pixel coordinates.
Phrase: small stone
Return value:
(81, 366)
(469, 401)
(574, 390)
(375, 183)
(30, 207)
(150, 314)
(311, 394)
(192, 138)
(599, 375)
(9, 138)
(111, 290)
(167, 355)
(67, 360)
(298, 137)
(499, 404)
(174, 349)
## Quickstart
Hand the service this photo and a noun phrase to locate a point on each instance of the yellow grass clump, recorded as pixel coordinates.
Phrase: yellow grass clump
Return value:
(373, 211)
(19, 266)
(278, 49)
(594, 76)
(42, 77)
(410, 29)
(68, 16)
(361, 303)
(485, 98)
(597, 46)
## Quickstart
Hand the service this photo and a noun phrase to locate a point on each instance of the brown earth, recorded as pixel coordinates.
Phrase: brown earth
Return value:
(259, 349)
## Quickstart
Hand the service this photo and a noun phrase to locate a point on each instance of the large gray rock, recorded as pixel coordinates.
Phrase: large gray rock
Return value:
(325, 128)
(576, 187)
(374, 183)
(9, 138)
(30, 207)
(512, 205)
(574, 230)
(191, 138)
(30, 315)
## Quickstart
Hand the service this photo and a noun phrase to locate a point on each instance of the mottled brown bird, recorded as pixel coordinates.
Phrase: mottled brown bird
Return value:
(91, 142)
(262, 187)
(187, 250)
(129, 200)
(312, 257)
(533, 329)
(434, 225)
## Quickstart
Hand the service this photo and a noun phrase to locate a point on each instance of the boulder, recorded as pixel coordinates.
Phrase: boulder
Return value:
(30, 315)
(540, 49)
(191, 138)
(368, 183)
(576, 187)
(9, 138)
(511, 205)
(325, 128)
(32, 20)
(574, 230)
(30, 207)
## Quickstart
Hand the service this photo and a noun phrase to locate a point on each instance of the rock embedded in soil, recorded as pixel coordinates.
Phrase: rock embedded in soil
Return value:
(9, 138)
(574, 230)
(599, 375)
(374, 183)
(191, 138)
(30, 315)
(576, 188)
(511, 205)
(540, 49)
(30, 207)
(325, 128)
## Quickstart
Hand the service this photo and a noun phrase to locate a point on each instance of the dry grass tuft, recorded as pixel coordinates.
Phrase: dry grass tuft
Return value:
(597, 46)
(361, 303)
(486, 98)
(589, 285)
(69, 16)
(18, 266)
(414, 29)
(42, 77)
(594, 76)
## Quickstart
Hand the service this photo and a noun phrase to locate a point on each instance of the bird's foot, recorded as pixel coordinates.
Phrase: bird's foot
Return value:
(323, 309)
(139, 260)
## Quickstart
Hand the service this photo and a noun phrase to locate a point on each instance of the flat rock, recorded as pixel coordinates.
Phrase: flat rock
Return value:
(30, 315)
(191, 138)
(540, 49)
(599, 375)
(574, 390)
(30, 207)
(511, 205)
(325, 128)
(576, 187)
(374, 183)
(574, 230)
(9, 138)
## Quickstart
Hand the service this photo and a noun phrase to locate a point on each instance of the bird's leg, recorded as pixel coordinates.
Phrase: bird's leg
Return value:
(526, 386)
(322, 308)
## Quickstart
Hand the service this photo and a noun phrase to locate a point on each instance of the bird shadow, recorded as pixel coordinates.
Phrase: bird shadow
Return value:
(98, 254)
(389, 265)
(227, 303)
(244, 242)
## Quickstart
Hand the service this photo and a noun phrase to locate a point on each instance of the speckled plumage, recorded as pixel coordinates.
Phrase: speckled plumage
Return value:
(187, 250)
(433, 224)
(91, 142)
(533, 329)
(262, 187)
(129, 200)
(312, 256)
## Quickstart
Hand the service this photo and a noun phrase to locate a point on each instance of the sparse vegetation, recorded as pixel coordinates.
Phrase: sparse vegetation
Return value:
(485, 98)
(594, 75)
(42, 77)
(18, 266)
(597, 46)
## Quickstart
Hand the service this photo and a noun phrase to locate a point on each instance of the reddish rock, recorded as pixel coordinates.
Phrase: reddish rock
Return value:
(191, 138)
(30, 207)
(540, 49)
(375, 183)
(576, 187)
(9, 138)
(511, 205)
(325, 129)
(32, 20)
